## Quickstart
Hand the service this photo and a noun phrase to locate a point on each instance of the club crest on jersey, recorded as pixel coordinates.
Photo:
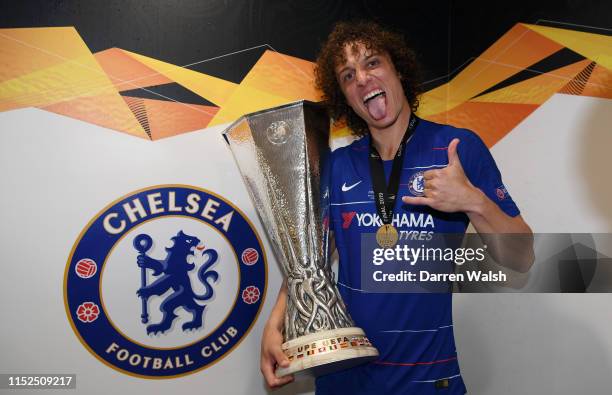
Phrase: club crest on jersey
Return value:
(416, 184)
(165, 281)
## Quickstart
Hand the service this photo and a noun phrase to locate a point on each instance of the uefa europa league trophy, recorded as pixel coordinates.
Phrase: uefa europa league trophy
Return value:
(281, 153)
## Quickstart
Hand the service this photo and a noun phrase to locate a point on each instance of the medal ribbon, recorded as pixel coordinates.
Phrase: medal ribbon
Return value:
(385, 195)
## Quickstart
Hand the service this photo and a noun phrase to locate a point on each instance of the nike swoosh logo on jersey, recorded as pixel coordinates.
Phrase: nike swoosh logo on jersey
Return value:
(346, 188)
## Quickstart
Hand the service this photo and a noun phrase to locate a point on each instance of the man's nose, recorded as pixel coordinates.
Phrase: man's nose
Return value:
(361, 76)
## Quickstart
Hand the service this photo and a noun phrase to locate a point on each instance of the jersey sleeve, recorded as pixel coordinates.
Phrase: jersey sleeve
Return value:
(482, 171)
(335, 213)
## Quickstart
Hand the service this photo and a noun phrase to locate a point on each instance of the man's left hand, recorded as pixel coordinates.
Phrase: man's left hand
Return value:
(447, 189)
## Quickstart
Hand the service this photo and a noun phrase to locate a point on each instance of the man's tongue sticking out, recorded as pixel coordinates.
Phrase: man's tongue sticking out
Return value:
(377, 107)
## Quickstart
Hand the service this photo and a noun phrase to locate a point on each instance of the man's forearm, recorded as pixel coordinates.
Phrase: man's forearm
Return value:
(502, 234)
(277, 315)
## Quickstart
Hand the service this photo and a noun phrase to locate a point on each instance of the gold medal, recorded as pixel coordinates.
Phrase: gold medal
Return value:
(387, 236)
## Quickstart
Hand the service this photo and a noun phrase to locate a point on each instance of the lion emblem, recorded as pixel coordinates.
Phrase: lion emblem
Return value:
(173, 273)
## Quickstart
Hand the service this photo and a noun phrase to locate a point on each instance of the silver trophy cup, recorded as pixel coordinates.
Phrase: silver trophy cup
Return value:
(282, 155)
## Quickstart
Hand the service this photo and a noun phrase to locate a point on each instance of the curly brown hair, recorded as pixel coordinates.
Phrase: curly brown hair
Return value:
(373, 37)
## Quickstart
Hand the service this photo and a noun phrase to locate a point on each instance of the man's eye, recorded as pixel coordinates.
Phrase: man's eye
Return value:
(347, 77)
(373, 62)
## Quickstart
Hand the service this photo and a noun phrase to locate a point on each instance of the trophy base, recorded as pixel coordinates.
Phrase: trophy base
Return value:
(327, 352)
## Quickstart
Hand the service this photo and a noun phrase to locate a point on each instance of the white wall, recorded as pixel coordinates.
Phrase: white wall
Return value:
(56, 174)
(556, 167)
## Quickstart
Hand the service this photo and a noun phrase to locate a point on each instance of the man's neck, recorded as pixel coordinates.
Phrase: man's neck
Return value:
(387, 140)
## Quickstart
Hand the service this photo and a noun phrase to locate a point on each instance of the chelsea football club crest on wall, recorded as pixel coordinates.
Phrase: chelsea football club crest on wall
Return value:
(165, 281)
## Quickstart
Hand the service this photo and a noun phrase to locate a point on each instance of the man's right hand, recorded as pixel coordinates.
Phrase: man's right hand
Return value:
(272, 356)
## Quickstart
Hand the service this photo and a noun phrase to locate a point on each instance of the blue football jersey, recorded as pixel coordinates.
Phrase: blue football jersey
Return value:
(412, 331)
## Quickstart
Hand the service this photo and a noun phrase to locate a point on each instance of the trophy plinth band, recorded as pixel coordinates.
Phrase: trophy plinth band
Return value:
(327, 351)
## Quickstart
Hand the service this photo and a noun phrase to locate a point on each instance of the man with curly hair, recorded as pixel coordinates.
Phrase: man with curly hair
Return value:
(447, 179)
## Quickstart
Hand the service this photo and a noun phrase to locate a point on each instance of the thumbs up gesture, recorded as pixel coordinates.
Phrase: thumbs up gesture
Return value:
(447, 189)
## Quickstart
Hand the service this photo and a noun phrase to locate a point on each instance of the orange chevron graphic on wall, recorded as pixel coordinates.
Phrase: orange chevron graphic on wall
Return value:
(51, 68)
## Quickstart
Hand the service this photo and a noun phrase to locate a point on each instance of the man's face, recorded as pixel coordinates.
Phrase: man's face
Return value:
(371, 86)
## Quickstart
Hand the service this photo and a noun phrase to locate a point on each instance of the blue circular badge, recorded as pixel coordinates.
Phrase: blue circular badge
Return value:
(165, 281)
(416, 184)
